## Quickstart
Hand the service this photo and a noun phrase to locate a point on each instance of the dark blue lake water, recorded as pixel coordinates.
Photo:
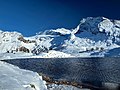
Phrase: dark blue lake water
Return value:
(74, 69)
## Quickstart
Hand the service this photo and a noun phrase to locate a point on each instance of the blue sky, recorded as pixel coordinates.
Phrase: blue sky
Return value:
(32, 16)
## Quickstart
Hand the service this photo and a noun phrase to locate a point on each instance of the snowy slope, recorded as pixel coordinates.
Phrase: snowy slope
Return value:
(8, 41)
(92, 37)
(11, 41)
(13, 78)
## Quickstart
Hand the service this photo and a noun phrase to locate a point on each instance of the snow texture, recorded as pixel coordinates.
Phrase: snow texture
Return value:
(13, 78)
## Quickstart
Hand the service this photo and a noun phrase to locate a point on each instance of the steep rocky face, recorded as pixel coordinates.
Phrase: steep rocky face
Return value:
(89, 24)
(21, 38)
(100, 25)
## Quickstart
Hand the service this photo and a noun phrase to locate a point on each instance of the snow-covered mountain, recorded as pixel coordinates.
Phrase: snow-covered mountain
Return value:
(97, 36)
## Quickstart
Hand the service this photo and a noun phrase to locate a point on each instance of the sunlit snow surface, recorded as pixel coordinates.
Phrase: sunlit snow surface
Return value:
(13, 78)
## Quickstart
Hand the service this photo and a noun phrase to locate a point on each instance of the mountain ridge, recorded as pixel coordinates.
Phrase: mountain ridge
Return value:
(93, 35)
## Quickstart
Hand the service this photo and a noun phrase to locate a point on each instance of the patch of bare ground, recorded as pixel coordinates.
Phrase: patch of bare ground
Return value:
(72, 83)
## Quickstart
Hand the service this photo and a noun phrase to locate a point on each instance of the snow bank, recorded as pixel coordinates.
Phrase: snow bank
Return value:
(14, 78)
(64, 87)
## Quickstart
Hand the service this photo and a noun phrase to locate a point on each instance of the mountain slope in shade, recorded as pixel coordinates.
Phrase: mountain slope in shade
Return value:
(92, 37)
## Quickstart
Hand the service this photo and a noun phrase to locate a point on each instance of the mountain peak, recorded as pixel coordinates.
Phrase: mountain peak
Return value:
(97, 25)
(93, 34)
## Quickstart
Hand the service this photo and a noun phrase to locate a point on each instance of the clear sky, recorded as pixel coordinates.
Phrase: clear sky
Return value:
(32, 16)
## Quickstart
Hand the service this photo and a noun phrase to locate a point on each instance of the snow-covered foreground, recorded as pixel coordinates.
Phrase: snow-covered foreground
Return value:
(13, 78)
